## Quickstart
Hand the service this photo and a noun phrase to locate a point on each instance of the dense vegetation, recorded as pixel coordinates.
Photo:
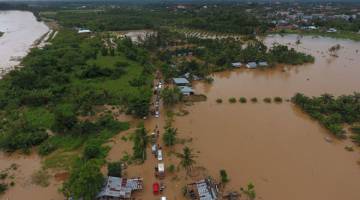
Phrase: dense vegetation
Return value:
(221, 19)
(199, 57)
(331, 112)
(68, 80)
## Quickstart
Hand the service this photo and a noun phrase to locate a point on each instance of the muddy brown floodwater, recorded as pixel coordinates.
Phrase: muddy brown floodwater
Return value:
(276, 146)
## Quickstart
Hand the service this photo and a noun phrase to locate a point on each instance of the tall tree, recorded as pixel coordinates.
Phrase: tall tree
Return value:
(85, 181)
(187, 158)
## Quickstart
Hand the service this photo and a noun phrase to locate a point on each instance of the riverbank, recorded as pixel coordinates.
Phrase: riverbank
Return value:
(22, 30)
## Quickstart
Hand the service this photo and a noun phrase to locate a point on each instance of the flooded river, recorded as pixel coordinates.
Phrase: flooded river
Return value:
(276, 146)
(21, 30)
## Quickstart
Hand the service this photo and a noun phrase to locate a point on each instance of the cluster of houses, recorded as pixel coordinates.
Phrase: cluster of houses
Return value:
(184, 86)
(250, 65)
(116, 188)
(304, 18)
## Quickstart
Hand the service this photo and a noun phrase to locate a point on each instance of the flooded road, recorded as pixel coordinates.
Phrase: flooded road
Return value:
(276, 146)
(21, 30)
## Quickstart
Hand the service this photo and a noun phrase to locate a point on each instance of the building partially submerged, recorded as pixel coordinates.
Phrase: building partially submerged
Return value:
(205, 189)
(181, 81)
(236, 64)
(116, 188)
(186, 90)
(263, 64)
(251, 65)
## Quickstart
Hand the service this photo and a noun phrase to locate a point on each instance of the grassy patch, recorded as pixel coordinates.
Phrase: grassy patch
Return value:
(39, 117)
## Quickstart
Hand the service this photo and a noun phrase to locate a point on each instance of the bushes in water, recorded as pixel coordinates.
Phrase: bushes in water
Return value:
(232, 100)
(3, 188)
(219, 100)
(254, 100)
(242, 100)
(223, 176)
(267, 100)
(278, 99)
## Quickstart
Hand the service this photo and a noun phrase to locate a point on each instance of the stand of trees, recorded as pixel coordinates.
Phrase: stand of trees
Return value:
(65, 80)
(331, 112)
(221, 19)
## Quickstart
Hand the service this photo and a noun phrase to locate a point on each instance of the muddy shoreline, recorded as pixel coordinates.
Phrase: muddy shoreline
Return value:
(21, 33)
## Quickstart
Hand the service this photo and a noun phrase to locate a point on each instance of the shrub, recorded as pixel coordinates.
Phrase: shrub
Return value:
(114, 169)
(171, 168)
(232, 100)
(3, 187)
(219, 100)
(242, 100)
(355, 129)
(278, 99)
(46, 148)
(267, 100)
(92, 150)
(254, 100)
(41, 178)
(224, 177)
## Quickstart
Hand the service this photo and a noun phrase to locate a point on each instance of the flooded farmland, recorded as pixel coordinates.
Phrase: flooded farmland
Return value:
(276, 146)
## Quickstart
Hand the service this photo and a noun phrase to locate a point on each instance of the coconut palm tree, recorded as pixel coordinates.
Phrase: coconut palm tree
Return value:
(187, 158)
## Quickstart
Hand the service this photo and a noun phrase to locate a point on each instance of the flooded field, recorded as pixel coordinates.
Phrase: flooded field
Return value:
(21, 30)
(24, 188)
(276, 146)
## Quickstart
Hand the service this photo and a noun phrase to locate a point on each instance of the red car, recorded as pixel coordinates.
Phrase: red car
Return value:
(156, 188)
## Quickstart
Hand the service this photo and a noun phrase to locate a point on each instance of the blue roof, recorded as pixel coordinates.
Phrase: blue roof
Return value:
(180, 81)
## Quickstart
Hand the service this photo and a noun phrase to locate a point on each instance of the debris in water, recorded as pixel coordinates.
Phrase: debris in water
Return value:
(328, 139)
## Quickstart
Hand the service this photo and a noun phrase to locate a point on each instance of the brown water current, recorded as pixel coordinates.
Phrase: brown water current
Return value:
(276, 146)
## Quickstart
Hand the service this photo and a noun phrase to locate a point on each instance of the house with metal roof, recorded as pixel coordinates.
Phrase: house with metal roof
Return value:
(81, 31)
(205, 189)
(236, 64)
(181, 81)
(263, 64)
(251, 65)
(186, 90)
(116, 188)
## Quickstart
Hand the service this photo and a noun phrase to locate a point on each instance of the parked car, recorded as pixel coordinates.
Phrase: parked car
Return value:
(159, 155)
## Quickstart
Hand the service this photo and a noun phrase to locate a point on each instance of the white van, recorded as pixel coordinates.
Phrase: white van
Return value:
(159, 155)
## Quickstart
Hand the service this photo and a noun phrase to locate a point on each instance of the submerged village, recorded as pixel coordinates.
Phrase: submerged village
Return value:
(179, 100)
